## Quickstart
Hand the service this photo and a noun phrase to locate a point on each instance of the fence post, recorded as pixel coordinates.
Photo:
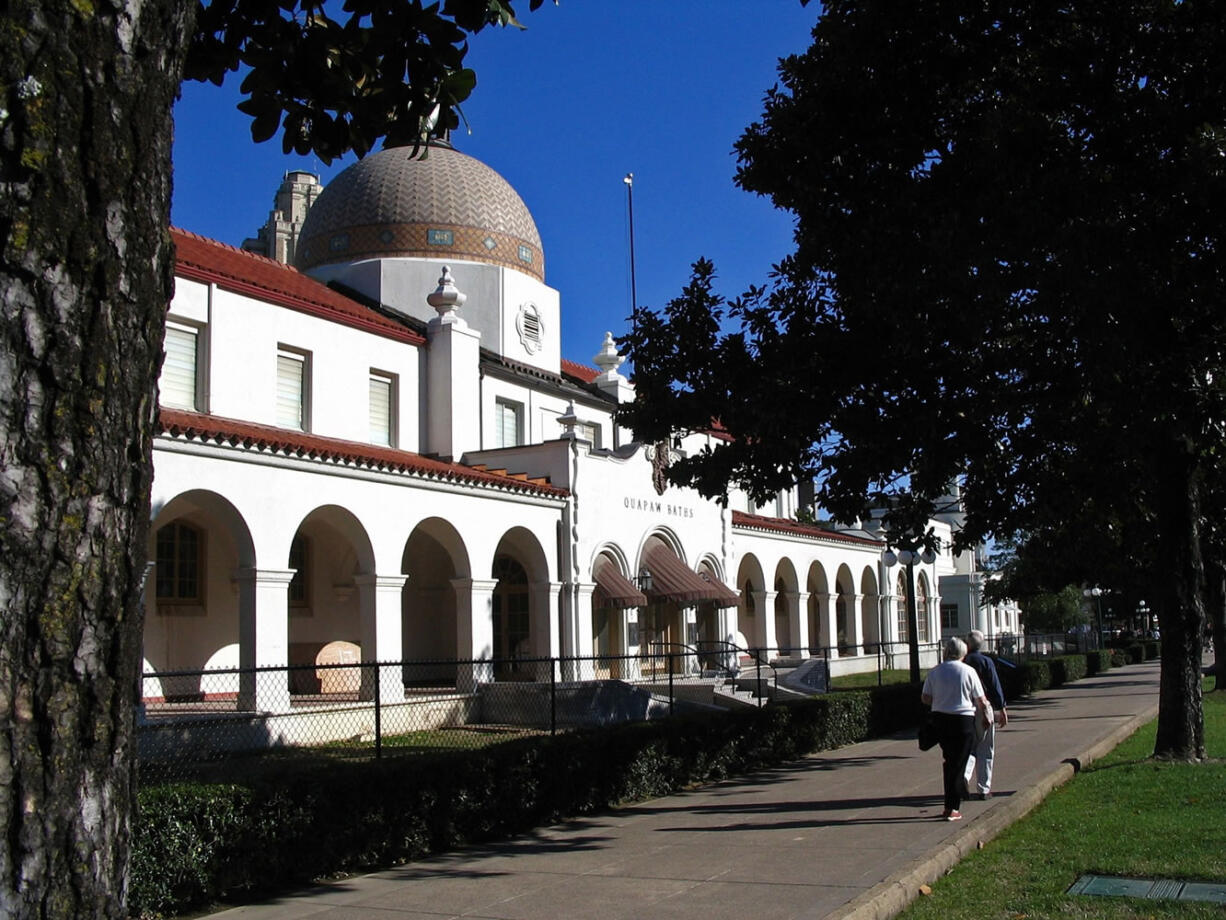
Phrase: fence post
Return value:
(554, 664)
(671, 692)
(757, 661)
(378, 715)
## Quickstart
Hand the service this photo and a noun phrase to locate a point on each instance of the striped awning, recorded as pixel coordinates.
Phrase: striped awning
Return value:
(673, 580)
(613, 589)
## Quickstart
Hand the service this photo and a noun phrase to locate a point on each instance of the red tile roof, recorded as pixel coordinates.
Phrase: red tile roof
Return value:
(581, 371)
(797, 529)
(194, 426)
(201, 259)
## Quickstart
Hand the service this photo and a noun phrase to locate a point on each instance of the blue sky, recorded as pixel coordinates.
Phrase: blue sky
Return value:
(563, 110)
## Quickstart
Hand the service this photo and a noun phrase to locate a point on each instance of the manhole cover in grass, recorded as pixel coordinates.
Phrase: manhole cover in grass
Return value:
(1152, 888)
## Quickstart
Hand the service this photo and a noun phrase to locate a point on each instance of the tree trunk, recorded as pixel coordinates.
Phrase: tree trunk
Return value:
(85, 276)
(1215, 603)
(1181, 728)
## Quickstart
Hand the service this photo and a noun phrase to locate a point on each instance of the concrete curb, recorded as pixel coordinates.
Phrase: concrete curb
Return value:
(888, 898)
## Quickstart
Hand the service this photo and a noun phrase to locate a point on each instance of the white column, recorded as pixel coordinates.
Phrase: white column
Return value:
(453, 410)
(543, 601)
(582, 643)
(857, 623)
(474, 601)
(934, 617)
(766, 609)
(379, 603)
(263, 638)
(802, 623)
(828, 610)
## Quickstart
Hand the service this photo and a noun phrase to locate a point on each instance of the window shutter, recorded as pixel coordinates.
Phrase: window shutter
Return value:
(290, 379)
(508, 424)
(380, 410)
(177, 385)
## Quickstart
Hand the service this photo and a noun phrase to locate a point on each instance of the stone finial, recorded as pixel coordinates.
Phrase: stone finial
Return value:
(607, 359)
(446, 298)
(568, 420)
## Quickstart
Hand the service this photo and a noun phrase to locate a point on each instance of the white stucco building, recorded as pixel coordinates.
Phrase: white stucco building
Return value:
(376, 450)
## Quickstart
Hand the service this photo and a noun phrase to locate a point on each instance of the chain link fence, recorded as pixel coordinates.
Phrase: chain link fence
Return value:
(220, 724)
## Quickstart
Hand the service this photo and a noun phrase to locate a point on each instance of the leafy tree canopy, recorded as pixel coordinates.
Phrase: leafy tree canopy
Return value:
(1052, 612)
(332, 83)
(1008, 266)
(1009, 272)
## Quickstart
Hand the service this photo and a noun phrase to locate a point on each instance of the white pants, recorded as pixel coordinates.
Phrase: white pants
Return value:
(979, 765)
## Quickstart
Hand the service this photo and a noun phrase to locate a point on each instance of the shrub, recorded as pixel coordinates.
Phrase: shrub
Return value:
(197, 843)
(1075, 667)
(1135, 653)
(1036, 675)
(1098, 661)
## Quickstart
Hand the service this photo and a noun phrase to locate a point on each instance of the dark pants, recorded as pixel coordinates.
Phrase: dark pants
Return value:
(957, 735)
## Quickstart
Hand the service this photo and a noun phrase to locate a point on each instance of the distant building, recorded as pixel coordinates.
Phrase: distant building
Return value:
(278, 238)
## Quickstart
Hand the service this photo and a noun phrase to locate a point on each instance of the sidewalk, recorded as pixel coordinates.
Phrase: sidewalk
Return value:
(845, 834)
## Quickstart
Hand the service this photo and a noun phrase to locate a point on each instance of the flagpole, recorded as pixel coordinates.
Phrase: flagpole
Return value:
(634, 298)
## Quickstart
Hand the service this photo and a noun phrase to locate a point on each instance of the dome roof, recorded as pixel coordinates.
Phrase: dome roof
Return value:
(447, 205)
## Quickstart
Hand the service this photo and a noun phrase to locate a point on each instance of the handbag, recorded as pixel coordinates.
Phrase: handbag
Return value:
(928, 734)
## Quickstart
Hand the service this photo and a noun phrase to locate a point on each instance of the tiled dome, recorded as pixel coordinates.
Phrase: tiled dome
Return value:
(444, 205)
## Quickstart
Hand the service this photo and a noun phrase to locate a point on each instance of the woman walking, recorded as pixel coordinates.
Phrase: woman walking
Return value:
(955, 693)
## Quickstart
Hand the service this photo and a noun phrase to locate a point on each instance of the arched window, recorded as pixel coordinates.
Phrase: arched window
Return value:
(900, 602)
(921, 609)
(180, 564)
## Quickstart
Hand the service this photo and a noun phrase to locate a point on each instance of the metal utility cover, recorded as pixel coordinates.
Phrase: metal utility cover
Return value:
(1152, 889)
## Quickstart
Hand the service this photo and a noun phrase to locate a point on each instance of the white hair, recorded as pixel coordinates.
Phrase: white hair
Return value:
(955, 649)
(974, 640)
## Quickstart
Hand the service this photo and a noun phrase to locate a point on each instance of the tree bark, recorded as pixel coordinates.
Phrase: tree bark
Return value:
(1181, 728)
(87, 91)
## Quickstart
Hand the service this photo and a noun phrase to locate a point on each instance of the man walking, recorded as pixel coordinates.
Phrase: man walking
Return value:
(985, 744)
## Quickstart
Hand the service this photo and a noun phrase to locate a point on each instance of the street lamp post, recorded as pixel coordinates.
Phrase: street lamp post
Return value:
(1143, 613)
(1097, 593)
(908, 558)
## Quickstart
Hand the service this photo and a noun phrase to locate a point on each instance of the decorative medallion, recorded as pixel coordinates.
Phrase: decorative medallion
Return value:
(660, 458)
(530, 326)
(489, 243)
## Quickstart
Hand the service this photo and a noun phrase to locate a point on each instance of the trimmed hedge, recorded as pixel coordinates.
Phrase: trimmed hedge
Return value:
(194, 844)
(1098, 661)
(198, 843)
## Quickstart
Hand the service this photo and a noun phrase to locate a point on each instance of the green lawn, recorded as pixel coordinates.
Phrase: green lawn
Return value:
(1126, 815)
(868, 679)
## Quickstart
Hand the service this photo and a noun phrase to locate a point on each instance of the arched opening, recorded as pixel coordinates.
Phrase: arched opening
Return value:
(197, 541)
(512, 620)
(750, 619)
(819, 597)
(435, 562)
(847, 613)
(870, 612)
(327, 552)
(615, 602)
